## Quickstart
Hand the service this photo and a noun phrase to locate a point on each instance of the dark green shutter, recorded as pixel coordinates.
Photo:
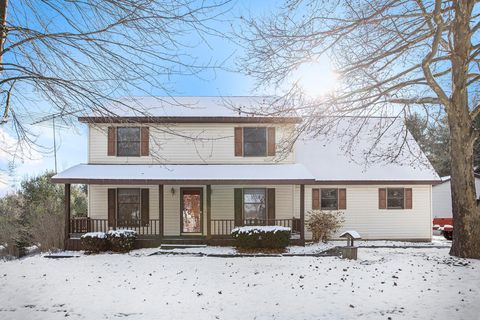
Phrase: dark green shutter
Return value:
(238, 207)
(145, 210)
(112, 207)
(271, 206)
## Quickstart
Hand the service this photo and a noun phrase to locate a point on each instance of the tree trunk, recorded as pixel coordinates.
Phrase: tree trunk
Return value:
(466, 217)
(3, 25)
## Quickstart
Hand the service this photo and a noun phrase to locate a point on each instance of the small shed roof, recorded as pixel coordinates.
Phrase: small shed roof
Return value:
(350, 233)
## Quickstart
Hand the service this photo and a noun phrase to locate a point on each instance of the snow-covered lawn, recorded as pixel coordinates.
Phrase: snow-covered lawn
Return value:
(398, 283)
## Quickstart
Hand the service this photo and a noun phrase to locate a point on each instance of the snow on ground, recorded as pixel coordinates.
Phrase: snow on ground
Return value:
(385, 283)
(312, 248)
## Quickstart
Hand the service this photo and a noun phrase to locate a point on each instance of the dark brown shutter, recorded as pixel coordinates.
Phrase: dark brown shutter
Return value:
(238, 207)
(382, 198)
(112, 207)
(144, 141)
(238, 142)
(408, 198)
(271, 141)
(342, 199)
(112, 139)
(145, 210)
(271, 205)
(315, 199)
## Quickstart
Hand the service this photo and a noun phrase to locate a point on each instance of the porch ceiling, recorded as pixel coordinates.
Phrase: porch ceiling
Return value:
(185, 174)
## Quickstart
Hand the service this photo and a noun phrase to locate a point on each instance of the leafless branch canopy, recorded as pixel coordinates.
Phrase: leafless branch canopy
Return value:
(386, 52)
(79, 55)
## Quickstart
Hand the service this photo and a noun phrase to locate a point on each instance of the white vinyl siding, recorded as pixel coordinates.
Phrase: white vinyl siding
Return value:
(223, 201)
(98, 200)
(442, 199)
(185, 144)
(363, 215)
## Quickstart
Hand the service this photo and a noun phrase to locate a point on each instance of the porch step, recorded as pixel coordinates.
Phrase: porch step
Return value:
(183, 241)
(181, 246)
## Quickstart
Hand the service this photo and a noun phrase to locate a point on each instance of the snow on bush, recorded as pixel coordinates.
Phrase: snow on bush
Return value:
(256, 229)
(121, 240)
(116, 240)
(121, 233)
(261, 236)
(94, 242)
(100, 235)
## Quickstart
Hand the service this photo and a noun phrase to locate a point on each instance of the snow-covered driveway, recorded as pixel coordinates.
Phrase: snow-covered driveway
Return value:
(384, 284)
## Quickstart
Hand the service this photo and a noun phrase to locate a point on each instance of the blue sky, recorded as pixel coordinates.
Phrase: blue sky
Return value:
(72, 141)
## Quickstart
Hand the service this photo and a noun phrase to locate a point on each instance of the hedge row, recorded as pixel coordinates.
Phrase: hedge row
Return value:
(114, 240)
(261, 237)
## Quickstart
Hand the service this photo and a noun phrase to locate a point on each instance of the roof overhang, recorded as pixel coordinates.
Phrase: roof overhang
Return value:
(143, 174)
(213, 119)
(448, 178)
(377, 182)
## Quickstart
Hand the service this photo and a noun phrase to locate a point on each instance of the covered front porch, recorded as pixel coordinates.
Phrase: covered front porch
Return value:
(190, 211)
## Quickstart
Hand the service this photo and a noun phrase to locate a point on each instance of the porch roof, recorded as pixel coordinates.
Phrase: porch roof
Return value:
(185, 174)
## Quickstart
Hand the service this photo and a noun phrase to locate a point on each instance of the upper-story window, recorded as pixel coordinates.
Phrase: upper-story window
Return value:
(128, 141)
(255, 141)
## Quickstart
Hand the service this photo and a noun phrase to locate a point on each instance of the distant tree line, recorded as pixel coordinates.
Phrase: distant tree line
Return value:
(33, 215)
(433, 136)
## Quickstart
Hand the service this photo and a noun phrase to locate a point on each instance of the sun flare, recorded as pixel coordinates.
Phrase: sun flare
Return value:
(317, 78)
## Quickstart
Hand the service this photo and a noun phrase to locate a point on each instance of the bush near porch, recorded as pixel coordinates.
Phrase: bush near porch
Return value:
(116, 240)
(94, 242)
(324, 224)
(121, 240)
(261, 236)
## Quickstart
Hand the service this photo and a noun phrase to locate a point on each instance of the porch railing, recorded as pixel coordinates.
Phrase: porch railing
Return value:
(223, 227)
(219, 227)
(84, 225)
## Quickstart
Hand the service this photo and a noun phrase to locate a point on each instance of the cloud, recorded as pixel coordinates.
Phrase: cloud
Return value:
(4, 183)
(12, 149)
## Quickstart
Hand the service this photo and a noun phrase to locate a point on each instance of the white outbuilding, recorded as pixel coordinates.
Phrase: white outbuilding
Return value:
(442, 197)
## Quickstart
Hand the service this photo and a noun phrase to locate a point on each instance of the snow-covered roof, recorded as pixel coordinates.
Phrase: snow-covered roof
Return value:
(365, 149)
(215, 174)
(354, 234)
(191, 107)
(352, 150)
(447, 178)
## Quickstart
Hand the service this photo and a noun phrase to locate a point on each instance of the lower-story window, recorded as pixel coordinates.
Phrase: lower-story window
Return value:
(128, 207)
(254, 204)
(329, 199)
(395, 198)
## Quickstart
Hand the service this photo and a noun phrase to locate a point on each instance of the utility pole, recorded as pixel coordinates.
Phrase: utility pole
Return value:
(54, 144)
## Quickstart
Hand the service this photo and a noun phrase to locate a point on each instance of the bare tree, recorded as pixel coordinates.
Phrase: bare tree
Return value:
(391, 56)
(80, 55)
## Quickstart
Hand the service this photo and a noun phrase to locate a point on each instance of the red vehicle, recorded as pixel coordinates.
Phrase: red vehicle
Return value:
(445, 226)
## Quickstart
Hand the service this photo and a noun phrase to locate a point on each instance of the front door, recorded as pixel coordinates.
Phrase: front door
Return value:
(191, 210)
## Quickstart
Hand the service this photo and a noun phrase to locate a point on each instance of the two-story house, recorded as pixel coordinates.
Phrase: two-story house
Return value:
(190, 169)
